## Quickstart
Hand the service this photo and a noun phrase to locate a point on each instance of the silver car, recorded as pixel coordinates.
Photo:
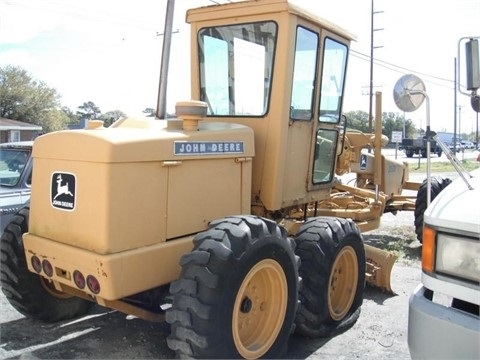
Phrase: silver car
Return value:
(15, 178)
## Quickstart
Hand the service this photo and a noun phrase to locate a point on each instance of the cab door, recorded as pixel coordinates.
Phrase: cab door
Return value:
(326, 133)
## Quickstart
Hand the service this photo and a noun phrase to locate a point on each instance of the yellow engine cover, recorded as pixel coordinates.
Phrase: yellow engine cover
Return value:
(141, 182)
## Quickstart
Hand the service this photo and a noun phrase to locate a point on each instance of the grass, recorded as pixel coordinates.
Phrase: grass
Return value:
(399, 240)
(444, 166)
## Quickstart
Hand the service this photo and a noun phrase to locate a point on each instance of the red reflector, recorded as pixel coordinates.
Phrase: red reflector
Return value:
(36, 264)
(93, 284)
(79, 279)
(47, 268)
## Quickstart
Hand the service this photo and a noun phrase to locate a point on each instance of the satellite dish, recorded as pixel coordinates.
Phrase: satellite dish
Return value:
(409, 93)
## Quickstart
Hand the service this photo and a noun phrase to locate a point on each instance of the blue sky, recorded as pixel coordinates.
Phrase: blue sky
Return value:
(108, 51)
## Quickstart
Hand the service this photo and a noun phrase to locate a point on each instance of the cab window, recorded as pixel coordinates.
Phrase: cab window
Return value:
(324, 159)
(236, 67)
(333, 80)
(303, 86)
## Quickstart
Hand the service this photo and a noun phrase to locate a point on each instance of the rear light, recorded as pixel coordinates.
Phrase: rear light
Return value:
(93, 284)
(428, 249)
(36, 264)
(79, 279)
(47, 268)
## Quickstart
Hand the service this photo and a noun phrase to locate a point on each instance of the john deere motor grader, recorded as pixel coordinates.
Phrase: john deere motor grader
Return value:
(210, 220)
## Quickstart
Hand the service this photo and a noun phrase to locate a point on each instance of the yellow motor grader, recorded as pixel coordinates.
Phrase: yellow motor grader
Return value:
(212, 220)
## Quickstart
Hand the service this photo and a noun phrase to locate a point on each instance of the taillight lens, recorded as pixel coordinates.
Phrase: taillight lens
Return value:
(36, 264)
(79, 279)
(93, 284)
(47, 268)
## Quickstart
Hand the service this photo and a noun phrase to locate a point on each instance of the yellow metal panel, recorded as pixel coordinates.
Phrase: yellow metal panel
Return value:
(121, 274)
(262, 7)
(200, 191)
(116, 205)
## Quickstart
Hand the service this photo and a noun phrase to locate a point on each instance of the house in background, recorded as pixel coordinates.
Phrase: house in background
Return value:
(14, 130)
(82, 124)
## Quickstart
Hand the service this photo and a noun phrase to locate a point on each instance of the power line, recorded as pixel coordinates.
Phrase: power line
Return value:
(387, 64)
(403, 70)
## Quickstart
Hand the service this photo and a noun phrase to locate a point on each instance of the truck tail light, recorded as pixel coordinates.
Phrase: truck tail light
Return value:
(47, 268)
(79, 279)
(93, 284)
(428, 249)
(36, 264)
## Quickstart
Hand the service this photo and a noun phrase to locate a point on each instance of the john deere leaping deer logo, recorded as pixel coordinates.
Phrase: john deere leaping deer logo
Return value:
(62, 193)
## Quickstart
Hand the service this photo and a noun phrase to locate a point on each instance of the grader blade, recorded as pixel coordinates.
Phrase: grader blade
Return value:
(379, 267)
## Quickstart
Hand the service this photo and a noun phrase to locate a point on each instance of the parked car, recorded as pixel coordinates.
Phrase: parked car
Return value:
(458, 146)
(15, 178)
(443, 318)
(468, 145)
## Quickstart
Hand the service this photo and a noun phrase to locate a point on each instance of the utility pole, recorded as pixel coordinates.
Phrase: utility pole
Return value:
(167, 40)
(372, 47)
(460, 121)
(455, 112)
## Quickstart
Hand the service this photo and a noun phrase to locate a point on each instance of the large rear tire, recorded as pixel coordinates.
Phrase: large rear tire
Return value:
(237, 294)
(30, 294)
(333, 276)
(437, 185)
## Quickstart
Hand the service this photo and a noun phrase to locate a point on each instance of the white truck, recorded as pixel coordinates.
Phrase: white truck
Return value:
(443, 320)
(15, 178)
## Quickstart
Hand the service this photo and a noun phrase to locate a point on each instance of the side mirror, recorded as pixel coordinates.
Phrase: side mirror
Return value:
(475, 101)
(409, 93)
(472, 70)
(473, 64)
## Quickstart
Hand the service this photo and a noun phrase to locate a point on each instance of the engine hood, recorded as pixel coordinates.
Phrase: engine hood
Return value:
(133, 140)
(456, 207)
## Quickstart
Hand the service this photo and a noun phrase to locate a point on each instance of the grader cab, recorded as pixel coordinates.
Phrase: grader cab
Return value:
(209, 220)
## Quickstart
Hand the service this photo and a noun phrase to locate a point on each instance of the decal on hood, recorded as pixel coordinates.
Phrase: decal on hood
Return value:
(62, 191)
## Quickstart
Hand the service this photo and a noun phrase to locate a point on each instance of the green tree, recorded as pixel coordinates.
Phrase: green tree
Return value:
(25, 99)
(149, 112)
(72, 117)
(88, 110)
(358, 120)
(111, 116)
(394, 122)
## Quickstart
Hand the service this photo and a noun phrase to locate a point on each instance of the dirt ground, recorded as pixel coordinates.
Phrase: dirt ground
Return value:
(380, 332)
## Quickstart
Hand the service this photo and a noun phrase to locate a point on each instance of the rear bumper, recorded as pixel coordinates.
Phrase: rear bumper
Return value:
(119, 274)
(436, 331)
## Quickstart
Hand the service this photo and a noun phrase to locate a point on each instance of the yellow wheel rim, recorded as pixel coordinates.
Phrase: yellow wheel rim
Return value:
(342, 283)
(259, 310)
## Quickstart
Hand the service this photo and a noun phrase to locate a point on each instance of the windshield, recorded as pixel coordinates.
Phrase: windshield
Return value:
(12, 164)
(236, 66)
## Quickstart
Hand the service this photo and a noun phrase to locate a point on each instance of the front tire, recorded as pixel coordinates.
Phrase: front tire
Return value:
(437, 185)
(333, 276)
(237, 294)
(29, 293)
